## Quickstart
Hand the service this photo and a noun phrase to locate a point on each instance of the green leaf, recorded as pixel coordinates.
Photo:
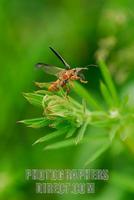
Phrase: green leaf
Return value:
(81, 132)
(82, 92)
(61, 144)
(109, 81)
(103, 122)
(106, 95)
(51, 135)
(72, 142)
(99, 114)
(124, 102)
(98, 153)
(75, 103)
(35, 99)
(113, 131)
(36, 123)
(71, 132)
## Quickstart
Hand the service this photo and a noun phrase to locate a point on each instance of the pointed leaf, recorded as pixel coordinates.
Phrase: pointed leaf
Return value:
(103, 123)
(114, 131)
(72, 141)
(98, 153)
(51, 136)
(81, 132)
(36, 123)
(124, 102)
(109, 81)
(71, 132)
(35, 99)
(82, 92)
(106, 95)
(61, 144)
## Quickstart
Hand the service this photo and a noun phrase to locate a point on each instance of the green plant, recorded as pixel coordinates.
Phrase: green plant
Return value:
(73, 119)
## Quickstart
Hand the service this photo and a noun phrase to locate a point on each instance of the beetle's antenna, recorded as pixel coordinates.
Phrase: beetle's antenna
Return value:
(60, 57)
(91, 65)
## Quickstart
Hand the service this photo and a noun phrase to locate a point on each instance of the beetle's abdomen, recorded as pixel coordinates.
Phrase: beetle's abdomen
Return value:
(54, 86)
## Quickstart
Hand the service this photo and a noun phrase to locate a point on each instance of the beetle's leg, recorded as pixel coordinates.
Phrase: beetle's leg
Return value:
(67, 90)
(75, 77)
(82, 81)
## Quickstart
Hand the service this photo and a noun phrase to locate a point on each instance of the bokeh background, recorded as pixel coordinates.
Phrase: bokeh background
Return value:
(81, 30)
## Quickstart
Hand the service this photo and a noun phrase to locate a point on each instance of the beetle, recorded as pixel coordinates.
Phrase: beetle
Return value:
(64, 76)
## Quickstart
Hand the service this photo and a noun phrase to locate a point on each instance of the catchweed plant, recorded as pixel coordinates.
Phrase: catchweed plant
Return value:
(72, 119)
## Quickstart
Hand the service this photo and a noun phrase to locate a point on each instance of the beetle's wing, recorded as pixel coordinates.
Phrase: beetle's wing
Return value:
(50, 69)
(60, 57)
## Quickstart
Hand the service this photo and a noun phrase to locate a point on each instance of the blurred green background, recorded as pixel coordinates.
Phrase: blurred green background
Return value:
(81, 31)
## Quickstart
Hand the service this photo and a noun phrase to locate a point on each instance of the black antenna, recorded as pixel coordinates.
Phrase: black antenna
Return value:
(91, 65)
(60, 57)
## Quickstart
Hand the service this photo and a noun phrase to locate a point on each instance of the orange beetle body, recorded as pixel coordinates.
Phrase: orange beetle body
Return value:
(64, 76)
